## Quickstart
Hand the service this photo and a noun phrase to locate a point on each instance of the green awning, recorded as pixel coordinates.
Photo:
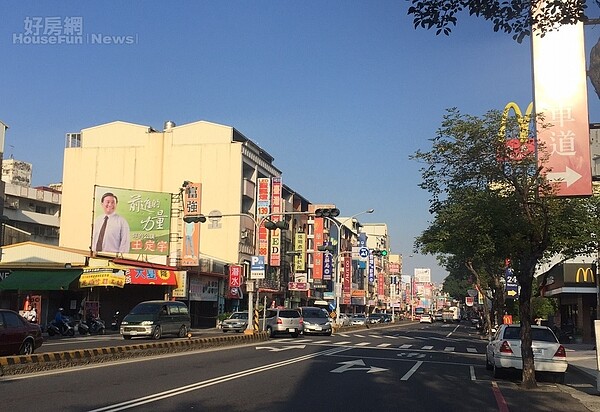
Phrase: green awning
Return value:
(39, 279)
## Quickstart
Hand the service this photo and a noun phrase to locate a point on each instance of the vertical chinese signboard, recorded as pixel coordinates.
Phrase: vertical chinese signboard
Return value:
(318, 256)
(263, 207)
(559, 75)
(235, 282)
(192, 196)
(275, 259)
(347, 285)
(300, 246)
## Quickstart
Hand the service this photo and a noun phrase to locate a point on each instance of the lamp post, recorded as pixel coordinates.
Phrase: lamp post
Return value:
(337, 287)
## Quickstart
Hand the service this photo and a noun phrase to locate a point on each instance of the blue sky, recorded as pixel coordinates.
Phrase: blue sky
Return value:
(340, 93)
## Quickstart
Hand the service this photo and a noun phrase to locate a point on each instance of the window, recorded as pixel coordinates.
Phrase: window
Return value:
(12, 320)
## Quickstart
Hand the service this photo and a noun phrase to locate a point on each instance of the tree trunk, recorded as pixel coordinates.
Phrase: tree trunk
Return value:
(529, 381)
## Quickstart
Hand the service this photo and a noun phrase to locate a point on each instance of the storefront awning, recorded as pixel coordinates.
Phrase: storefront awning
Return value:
(39, 279)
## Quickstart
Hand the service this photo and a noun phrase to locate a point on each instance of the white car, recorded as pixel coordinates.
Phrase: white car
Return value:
(503, 351)
(425, 319)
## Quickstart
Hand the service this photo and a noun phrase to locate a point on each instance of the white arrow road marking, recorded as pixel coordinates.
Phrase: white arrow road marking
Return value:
(411, 371)
(272, 349)
(348, 366)
(569, 176)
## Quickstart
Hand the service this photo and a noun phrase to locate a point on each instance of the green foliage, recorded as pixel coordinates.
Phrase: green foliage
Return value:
(508, 17)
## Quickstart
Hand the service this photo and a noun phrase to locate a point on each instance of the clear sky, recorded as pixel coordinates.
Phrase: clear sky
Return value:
(339, 92)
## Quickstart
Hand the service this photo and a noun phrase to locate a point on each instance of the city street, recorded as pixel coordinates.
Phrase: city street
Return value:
(437, 367)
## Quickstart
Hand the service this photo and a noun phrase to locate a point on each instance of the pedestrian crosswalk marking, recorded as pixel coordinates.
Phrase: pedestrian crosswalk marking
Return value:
(375, 336)
(449, 349)
(344, 342)
(384, 345)
(359, 336)
(405, 346)
(320, 342)
(363, 344)
(427, 347)
(471, 350)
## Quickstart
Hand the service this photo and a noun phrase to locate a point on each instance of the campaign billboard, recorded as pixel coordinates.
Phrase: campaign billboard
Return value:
(130, 221)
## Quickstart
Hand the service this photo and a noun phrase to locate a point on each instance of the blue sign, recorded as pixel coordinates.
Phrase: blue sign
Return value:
(364, 252)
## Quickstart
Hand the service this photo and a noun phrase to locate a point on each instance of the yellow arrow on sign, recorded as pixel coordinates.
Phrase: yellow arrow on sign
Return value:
(511, 293)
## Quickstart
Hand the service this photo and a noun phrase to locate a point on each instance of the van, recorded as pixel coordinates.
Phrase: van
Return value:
(155, 318)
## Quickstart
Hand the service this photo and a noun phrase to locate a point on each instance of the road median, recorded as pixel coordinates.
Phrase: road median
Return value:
(15, 365)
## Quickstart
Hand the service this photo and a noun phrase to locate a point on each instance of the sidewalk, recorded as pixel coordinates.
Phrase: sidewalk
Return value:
(583, 357)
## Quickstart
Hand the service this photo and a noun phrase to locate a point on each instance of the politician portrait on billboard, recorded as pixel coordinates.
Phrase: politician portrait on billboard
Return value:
(131, 221)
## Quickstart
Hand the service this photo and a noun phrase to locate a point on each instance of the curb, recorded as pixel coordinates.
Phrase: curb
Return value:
(14, 365)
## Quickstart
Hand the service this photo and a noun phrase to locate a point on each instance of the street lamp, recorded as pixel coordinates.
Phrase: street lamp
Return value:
(337, 286)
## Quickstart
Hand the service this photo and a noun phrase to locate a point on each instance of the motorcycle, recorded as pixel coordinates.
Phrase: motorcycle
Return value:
(66, 329)
(114, 324)
(91, 326)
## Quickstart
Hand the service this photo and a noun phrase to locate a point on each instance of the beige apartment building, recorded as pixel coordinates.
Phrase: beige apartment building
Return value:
(226, 164)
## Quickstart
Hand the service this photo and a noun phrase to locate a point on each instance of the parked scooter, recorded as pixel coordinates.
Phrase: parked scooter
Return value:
(115, 323)
(66, 329)
(91, 326)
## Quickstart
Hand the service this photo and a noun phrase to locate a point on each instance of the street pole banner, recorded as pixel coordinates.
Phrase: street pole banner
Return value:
(263, 207)
(192, 200)
(275, 256)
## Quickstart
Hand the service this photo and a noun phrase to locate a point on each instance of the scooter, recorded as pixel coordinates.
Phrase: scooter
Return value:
(66, 329)
(114, 324)
(91, 326)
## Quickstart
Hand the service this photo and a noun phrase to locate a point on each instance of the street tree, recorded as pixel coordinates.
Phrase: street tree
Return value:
(492, 203)
(513, 17)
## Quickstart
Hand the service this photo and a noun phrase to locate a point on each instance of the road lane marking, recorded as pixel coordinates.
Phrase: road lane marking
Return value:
(500, 401)
(411, 371)
(132, 403)
(472, 371)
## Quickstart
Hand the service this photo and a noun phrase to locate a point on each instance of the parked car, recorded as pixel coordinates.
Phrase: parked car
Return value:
(155, 318)
(426, 318)
(315, 321)
(344, 320)
(503, 351)
(359, 320)
(237, 322)
(379, 318)
(281, 320)
(17, 335)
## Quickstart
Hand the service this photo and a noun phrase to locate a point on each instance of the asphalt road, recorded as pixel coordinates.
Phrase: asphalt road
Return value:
(410, 367)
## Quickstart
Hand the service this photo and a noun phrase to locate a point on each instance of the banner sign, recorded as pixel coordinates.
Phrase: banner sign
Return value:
(299, 286)
(560, 90)
(98, 276)
(275, 257)
(144, 276)
(181, 291)
(235, 281)
(131, 221)
(318, 256)
(347, 286)
(327, 266)
(371, 267)
(192, 198)
(300, 246)
(263, 207)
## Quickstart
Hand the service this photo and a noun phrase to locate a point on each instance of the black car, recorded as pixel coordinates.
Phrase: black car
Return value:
(17, 335)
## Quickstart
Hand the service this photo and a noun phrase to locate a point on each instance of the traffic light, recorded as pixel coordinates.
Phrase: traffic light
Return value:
(325, 248)
(377, 252)
(334, 212)
(270, 225)
(195, 219)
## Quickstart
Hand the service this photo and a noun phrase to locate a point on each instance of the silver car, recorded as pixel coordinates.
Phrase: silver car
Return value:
(237, 322)
(281, 320)
(315, 321)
